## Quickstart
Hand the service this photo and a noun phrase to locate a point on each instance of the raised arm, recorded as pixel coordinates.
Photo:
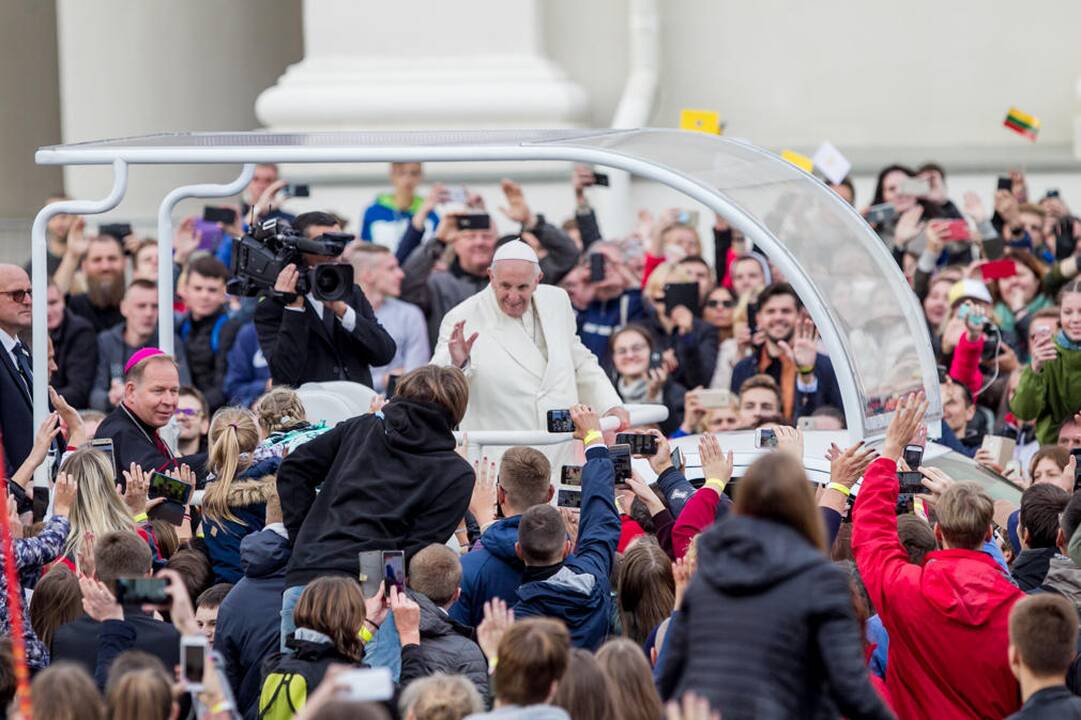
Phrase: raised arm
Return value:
(599, 525)
(880, 556)
(302, 471)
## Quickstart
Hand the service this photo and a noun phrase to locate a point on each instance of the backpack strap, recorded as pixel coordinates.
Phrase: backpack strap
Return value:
(215, 334)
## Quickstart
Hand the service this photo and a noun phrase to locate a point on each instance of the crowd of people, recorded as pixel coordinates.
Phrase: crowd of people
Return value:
(194, 509)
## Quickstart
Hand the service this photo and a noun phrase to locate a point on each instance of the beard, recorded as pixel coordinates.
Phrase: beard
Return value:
(105, 291)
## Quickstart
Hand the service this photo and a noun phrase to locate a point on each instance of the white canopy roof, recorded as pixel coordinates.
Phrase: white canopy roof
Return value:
(870, 321)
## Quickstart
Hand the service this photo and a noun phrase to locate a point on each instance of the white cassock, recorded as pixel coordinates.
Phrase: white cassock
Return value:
(520, 368)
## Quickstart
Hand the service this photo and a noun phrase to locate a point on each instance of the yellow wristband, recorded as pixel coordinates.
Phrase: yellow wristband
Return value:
(222, 706)
(365, 634)
(591, 437)
(492, 663)
(141, 517)
(846, 491)
(715, 483)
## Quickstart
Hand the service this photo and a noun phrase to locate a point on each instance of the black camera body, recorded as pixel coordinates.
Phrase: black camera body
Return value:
(260, 256)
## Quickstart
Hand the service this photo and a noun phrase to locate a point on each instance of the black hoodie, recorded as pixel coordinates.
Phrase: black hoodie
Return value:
(767, 629)
(388, 481)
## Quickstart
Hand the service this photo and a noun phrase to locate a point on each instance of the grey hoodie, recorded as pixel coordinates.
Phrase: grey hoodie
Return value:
(529, 712)
(1064, 578)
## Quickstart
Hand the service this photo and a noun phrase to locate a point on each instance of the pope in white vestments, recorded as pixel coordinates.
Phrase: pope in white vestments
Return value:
(516, 341)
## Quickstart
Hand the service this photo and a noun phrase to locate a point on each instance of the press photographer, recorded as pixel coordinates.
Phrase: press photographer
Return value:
(314, 324)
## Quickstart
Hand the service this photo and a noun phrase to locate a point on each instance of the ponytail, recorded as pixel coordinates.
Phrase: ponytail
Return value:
(234, 434)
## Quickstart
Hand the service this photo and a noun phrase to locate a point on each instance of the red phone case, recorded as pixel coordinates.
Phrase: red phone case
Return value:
(958, 230)
(998, 269)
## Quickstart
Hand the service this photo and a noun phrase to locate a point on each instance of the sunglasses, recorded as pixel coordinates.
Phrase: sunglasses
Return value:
(17, 295)
(721, 303)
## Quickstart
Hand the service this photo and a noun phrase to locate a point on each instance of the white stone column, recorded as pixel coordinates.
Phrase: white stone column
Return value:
(422, 64)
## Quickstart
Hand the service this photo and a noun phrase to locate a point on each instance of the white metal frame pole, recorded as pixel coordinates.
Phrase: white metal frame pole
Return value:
(166, 323)
(39, 282)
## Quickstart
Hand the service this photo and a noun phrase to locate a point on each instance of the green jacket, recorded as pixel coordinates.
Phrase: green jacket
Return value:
(1050, 396)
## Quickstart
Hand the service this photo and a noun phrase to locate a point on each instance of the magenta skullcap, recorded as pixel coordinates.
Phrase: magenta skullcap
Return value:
(140, 355)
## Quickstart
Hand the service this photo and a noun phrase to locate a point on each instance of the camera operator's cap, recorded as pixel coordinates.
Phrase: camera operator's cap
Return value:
(969, 289)
(515, 250)
(140, 355)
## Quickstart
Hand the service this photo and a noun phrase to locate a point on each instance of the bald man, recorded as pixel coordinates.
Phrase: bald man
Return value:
(16, 377)
(517, 344)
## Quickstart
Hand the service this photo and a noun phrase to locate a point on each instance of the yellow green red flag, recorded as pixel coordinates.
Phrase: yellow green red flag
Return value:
(1022, 123)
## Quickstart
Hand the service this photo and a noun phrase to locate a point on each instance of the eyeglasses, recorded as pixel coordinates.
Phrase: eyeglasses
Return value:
(631, 350)
(721, 303)
(17, 295)
(187, 412)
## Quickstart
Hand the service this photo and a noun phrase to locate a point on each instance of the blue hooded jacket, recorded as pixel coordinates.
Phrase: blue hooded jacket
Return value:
(577, 591)
(247, 502)
(249, 620)
(490, 570)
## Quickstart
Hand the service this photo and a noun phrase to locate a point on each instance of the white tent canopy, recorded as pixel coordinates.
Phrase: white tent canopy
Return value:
(869, 319)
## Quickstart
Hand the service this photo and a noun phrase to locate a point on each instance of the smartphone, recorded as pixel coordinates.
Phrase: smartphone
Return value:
(161, 485)
(365, 685)
(688, 217)
(298, 190)
(765, 438)
(371, 572)
(393, 570)
(957, 231)
(193, 650)
(223, 215)
(913, 456)
(134, 591)
(559, 421)
(915, 186)
(571, 475)
(1052, 193)
(752, 318)
(806, 423)
(116, 230)
(1065, 245)
(656, 359)
(640, 443)
(1005, 183)
(569, 499)
(1076, 452)
(1000, 447)
(105, 446)
(392, 385)
(685, 294)
(621, 461)
(474, 221)
(994, 248)
(596, 267)
(998, 269)
(600, 179)
(177, 494)
(457, 194)
(710, 398)
(881, 214)
(678, 461)
(911, 483)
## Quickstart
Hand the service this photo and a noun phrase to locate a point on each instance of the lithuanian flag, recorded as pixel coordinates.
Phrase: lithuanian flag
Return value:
(1022, 123)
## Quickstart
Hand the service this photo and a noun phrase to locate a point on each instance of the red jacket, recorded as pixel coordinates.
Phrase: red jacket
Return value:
(697, 515)
(947, 620)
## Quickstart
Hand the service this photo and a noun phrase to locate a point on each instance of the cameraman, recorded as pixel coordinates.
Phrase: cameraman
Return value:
(306, 340)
